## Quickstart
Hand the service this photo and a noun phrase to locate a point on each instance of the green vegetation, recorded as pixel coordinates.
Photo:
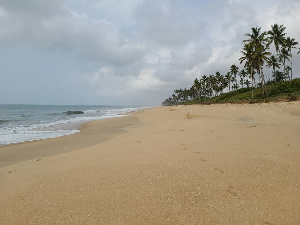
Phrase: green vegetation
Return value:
(255, 56)
(279, 91)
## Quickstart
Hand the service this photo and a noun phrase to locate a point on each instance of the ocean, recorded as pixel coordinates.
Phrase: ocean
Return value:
(21, 123)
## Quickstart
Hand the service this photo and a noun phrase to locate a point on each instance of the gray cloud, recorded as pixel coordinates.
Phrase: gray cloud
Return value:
(127, 51)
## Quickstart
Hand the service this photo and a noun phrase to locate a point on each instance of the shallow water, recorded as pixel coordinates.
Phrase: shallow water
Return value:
(20, 123)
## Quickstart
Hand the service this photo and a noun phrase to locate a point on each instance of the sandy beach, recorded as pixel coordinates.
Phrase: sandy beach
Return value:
(212, 164)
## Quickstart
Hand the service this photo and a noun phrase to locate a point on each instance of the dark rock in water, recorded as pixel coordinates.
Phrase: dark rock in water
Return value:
(74, 112)
(4, 121)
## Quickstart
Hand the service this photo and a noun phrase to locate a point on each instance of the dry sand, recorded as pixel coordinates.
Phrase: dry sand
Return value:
(217, 164)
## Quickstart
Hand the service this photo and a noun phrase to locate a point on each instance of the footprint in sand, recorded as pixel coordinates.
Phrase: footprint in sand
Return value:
(232, 190)
(12, 171)
(269, 223)
(203, 159)
(218, 170)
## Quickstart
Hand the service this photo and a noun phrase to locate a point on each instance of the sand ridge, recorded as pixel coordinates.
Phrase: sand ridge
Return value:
(216, 164)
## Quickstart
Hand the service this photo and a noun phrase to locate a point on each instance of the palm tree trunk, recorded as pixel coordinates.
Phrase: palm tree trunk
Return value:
(291, 69)
(261, 78)
(291, 64)
(264, 82)
(284, 72)
(252, 81)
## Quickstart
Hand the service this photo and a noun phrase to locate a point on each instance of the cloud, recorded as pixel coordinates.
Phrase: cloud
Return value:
(54, 26)
(127, 51)
(147, 81)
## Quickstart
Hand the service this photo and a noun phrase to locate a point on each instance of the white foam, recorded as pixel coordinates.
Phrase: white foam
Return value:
(16, 133)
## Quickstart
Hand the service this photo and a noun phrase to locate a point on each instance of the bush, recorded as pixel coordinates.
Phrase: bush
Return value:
(293, 98)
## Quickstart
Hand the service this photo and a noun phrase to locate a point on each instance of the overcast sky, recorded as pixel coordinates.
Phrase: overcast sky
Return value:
(125, 51)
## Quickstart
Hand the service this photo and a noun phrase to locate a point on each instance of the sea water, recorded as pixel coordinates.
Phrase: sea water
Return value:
(21, 123)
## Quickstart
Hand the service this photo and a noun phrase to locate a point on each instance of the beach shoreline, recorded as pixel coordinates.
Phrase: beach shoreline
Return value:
(10, 154)
(195, 164)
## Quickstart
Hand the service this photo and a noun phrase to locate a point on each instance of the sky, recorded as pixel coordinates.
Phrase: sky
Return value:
(125, 52)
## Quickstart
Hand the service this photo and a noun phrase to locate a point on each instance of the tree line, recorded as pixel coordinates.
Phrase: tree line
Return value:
(255, 57)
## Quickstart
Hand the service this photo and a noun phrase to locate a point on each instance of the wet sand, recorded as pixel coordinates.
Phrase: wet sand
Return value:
(217, 164)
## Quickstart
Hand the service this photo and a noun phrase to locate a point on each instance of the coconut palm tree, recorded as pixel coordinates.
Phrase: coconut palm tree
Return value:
(279, 76)
(235, 86)
(234, 70)
(287, 71)
(277, 36)
(257, 38)
(262, 56)
(274, 63)
(242, 74)
(204, 81)
(211, 86)
(242, 81)
(249, 61)
(260, 44)
(196, 87)
(248, 72)
(291, 43)
(283, 56)
(228, 78)
(247, 82)
(220, 82)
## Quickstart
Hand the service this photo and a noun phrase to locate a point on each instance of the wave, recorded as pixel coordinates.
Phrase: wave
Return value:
(55, 124)
(92, 111)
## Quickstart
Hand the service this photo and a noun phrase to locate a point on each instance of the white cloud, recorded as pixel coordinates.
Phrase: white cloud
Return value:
(147, 81)
(193, 73)
(144, 48)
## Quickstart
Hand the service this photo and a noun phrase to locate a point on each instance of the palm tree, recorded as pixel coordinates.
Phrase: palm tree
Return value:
(291, 43)
(228, 78)
(242, 81)
(212, 83)
(287, 71)
(175, 98)
(279, 76)
(283, 56)
(235, 86)
(276, 35)
(204, 84)
(247, 82)
(242, 74)
(248, 72)
(221, 82)
(249, 62)
(196, 87)
(234, 70)
(274, 63)
(257, 38)
(259, 55)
